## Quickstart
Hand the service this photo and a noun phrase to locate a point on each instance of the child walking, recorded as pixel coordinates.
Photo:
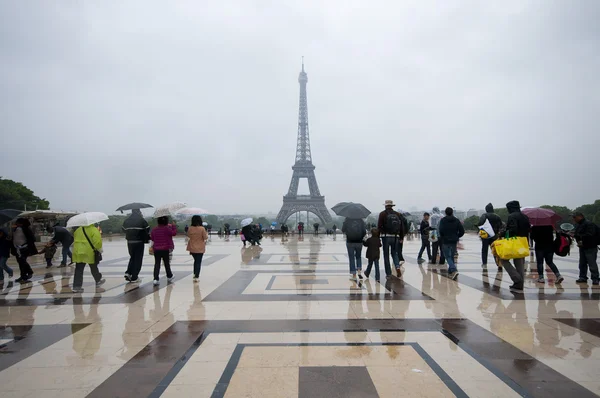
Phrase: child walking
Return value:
(49, 251)
(373, 244)
(5, 245)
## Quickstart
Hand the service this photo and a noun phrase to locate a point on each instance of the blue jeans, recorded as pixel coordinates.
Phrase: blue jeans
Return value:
(548, 255)
(354, 250)
(390, 243)
(368, 271)
(449, 250)
(66, 252)
(4, 267)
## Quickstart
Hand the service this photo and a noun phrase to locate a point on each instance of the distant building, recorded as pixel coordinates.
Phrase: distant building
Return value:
(460, 214)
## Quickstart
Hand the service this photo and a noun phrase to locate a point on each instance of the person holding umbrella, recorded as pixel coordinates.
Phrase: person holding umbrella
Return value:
(542, 233)
(162, 236)
(87, 243)
(137, 234)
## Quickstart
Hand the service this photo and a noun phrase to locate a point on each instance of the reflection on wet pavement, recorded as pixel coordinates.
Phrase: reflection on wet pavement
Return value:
(285, 319)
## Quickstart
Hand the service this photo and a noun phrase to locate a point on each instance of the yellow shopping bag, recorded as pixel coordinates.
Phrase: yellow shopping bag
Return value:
(511, 248)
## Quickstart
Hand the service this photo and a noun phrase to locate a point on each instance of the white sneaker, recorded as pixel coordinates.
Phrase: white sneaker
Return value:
(171, 279)
(196, 279)
(402, 263)
(156, 282)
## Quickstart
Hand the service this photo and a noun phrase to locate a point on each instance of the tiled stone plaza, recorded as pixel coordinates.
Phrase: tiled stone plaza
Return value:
(285, 320)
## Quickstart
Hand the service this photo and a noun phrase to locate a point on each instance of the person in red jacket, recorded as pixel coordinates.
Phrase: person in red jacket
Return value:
(162, 236)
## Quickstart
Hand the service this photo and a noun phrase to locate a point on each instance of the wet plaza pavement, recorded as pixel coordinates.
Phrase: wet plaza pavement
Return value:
(285, 320)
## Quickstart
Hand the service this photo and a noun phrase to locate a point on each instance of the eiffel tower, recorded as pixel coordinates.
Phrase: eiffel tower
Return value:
(303, 168)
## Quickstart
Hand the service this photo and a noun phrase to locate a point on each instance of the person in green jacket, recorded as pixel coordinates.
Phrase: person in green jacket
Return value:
(84, 253)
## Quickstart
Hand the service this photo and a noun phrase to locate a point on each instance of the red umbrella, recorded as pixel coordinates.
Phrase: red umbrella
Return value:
(541, 217)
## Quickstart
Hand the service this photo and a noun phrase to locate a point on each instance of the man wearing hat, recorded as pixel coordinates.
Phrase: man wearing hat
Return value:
(585, 235)
(391, 228)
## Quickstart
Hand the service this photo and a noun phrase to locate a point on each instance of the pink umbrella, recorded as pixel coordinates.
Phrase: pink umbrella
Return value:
(541, 217)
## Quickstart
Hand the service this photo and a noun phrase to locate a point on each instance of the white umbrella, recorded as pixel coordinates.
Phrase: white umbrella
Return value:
(85, 219)
(245, 222)
(192, 211)
(168, 209)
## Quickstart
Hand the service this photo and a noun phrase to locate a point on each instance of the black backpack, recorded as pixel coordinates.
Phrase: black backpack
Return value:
(355, 231)
(393, 224)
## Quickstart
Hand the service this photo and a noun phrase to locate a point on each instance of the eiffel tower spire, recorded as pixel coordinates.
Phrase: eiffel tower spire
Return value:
(303, 168)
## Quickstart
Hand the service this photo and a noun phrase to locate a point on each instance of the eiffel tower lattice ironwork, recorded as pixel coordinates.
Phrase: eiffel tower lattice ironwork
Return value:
(303, 168)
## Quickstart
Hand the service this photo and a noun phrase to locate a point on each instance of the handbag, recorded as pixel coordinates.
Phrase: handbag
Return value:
(97, 254)
(487, 227)
(511, 248)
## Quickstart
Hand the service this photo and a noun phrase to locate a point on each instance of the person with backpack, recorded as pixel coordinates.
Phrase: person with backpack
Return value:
(543, 236)
(436, 217)
(391, 228)
(496, 223)
(586, 236)
(355, 230)
(373, 253)
(517, 225)
(451, 230)
(425, 244)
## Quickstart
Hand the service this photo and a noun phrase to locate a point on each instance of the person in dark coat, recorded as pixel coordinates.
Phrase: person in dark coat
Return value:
(23, 247)
(355, 230)
(65, 238)
(496, 223)
(451, 230)
(425, 244)
(373, 244)
(5, 245)
(517, 225)
(585, 235)
(543, 236)
(137, 233)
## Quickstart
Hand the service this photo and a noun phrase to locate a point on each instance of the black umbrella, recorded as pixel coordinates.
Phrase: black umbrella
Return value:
(8, 214)
(133, 206)
(351, 210)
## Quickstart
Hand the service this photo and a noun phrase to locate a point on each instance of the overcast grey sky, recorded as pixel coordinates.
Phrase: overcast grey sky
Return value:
(427, 103)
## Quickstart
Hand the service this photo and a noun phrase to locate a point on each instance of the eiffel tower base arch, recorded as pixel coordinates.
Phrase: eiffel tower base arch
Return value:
(292, 206)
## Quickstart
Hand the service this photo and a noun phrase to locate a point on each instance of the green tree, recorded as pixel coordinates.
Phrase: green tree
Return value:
(597, 218)
(470, 223)
(113, 225)
(263, 221)
(590, 210)
(14, 195)
(214, 221)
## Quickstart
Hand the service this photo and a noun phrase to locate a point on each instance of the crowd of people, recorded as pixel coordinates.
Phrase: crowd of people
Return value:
(441, 234)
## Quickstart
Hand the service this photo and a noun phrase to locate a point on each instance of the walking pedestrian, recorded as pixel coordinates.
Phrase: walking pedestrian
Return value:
(162, 236)
(355, 230)
(517, 225)
(451, 230)
(87, 241)
(496, 223)
(373, 243)
(586, 238)
(197, 244)
(23, 247)
(436, 217)
(425, 244)
(5, 245)
(391, 227)
(543, 236)
(316, 227)
(65, 238)
(137, 234)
